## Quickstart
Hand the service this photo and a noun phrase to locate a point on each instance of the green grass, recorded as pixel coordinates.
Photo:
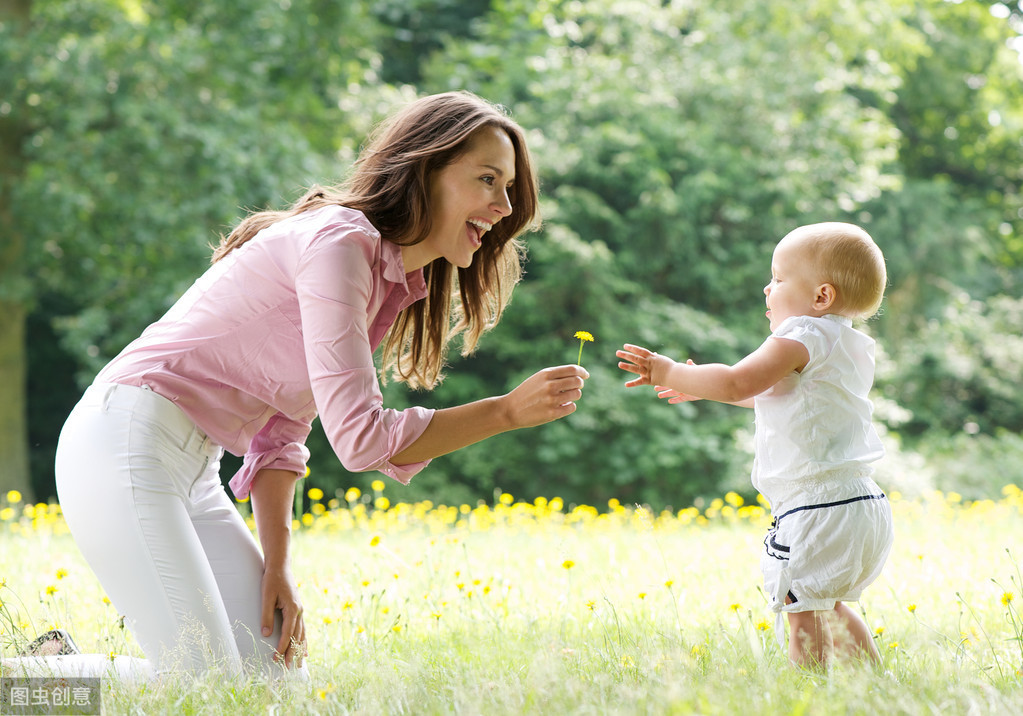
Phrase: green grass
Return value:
(542, 614)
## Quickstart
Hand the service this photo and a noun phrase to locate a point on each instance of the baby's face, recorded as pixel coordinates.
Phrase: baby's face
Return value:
(793, 287)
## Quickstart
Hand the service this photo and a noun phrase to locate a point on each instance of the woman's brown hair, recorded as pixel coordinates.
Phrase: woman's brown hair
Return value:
(390, 185)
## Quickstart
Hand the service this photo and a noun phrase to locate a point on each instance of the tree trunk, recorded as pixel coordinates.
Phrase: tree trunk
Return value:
(14, 474)
(14, 294)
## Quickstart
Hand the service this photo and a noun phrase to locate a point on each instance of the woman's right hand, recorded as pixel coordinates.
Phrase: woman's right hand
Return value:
(546, 395)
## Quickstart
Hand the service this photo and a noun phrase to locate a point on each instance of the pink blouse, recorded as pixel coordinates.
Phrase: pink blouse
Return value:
(280, 328)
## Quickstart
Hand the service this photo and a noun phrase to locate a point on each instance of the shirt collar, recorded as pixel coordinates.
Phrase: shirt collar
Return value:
(394, 271)
(844, 320)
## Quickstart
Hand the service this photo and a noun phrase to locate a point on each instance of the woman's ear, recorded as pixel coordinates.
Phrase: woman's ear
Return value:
(826, 297)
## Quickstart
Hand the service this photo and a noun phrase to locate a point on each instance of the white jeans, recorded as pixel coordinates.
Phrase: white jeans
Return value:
(140, 490)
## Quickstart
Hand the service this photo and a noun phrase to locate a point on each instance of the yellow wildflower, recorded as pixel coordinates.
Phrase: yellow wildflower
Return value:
(568, 564)
(584, 337)
(1006, 599)
(13, 496)
(911, 608)
(315, 493)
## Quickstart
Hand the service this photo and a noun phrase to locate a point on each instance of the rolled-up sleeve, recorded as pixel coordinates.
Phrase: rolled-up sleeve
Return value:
(280, 445)
(335, 286)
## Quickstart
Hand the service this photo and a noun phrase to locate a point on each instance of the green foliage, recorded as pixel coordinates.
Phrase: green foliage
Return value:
(962, 370)
(676, 143)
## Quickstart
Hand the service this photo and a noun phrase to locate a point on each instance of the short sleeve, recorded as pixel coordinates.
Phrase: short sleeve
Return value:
(803, 329)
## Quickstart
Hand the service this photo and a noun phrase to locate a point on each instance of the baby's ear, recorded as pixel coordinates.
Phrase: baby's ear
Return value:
(826, 297)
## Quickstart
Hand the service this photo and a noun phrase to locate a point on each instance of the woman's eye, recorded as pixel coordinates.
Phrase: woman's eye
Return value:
(488, 180)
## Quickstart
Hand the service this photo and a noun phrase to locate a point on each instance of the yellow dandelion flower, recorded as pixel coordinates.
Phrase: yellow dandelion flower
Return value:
(315, 493)
(374, 541)
(51, 589)
(61, 573)
(13, 496)
(381, 503)
(911, 608)
(583, 337)
(365, 582)
(879, 631)
(1007, 599)
(352, 494)
(396, 628)
(591, 605)
(763, 625)
(347, 605)
(328, 621)
(642, 595)
(106, 600)
(377, 485)
(669, 583)
(436, 615)
(568, 564)
(735, 607)
(306, 471)
(894, 645)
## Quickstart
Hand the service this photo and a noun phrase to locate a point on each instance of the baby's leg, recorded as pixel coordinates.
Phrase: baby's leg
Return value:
(852, 635)
(811, 644)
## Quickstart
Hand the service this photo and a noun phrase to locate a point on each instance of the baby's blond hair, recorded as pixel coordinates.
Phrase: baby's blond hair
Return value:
(845, 256)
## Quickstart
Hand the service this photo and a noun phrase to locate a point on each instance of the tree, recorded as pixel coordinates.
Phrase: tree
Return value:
(141, 130)
(14, 285)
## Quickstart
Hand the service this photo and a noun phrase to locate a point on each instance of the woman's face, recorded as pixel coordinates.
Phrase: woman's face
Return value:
(467, 198)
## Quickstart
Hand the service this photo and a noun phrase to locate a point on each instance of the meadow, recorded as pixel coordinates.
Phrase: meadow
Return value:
(536, 607)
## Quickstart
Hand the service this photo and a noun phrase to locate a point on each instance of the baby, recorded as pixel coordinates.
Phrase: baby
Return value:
(808, 384)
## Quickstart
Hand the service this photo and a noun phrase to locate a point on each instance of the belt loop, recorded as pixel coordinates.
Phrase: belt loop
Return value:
(107, 395)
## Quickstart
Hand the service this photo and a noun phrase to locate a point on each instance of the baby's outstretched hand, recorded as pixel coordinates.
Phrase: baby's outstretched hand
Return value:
(674, 396)
(638, 360)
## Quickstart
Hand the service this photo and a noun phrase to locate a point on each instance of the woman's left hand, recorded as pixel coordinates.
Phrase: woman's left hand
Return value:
(280, 592)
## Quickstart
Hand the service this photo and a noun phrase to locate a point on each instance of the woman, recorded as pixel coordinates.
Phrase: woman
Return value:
(417, 246)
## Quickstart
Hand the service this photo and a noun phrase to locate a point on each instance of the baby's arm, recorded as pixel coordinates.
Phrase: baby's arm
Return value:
(739, 383)
(675, 396)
